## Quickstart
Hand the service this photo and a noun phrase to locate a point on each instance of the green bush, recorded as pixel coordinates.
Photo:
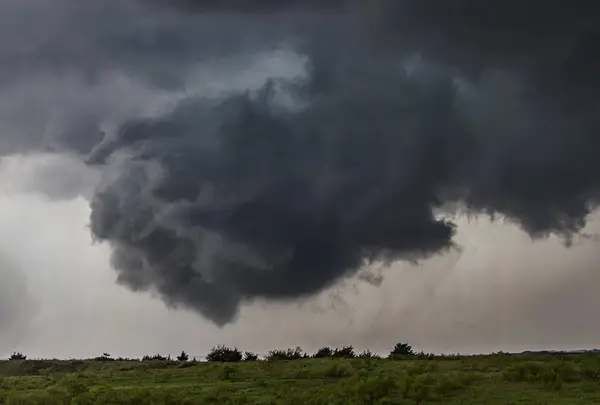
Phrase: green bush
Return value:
(338, 370)
(375, 389)
(286, 354)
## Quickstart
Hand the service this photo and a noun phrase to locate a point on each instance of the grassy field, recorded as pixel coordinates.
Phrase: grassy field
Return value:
(495, 379)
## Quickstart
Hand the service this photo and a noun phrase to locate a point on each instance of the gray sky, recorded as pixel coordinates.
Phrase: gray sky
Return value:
(501, 293)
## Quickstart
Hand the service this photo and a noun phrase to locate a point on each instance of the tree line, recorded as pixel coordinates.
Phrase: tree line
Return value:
(224, 354)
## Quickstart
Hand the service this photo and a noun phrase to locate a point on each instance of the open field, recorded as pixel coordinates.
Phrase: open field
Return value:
(494, 379)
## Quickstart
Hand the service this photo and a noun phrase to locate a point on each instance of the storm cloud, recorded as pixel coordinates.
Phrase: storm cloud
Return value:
(381, 120)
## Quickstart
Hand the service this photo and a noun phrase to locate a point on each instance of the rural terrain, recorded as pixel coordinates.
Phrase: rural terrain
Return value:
(291, 377)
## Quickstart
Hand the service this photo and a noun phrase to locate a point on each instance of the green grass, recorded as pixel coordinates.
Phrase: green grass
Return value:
(496, 379)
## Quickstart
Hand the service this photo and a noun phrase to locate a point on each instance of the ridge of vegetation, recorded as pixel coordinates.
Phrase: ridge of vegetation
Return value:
(293, 377)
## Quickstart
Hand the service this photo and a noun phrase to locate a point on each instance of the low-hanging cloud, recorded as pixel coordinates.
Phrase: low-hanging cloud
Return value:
(346, 154)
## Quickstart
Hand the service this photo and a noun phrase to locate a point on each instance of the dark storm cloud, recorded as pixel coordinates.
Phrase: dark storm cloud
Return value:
(256, 6)
(259, 202)
(280, 192)
(64, 71)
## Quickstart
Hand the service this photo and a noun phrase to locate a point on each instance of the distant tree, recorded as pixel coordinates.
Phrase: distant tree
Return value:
(401, 350)
(425, 356)
(249, 356)
(183, 356)
(17, 356)
(323, 352)
(346, 352)
(224, 354)
(104, 357)
(156, 357)
(367, 354)
(287, 354)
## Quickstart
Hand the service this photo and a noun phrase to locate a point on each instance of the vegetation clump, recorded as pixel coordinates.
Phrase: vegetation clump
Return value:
(223, 354)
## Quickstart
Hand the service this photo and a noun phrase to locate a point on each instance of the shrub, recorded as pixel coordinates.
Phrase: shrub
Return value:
(338, 370)
(367, 354)
(323, 353)
(155, 357)
(417, 388)
(249, 356)
(401, 350)
(183, 356)
(346, 352)
(104, 357)
(551, 375)
(375, 389)
(287, 354)
(224, 354)
(17, 356)
(425, 356)
(227, 372)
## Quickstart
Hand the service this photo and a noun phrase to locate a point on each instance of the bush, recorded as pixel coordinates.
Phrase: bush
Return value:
(224, 354)
(183, 356)
(228, 372)
(367, 354)
(156, 357)
(417, 388)
(338, 370)
(17, 356)
(550, 375)
(346, 352)
(402, 350)
(249, 356)
(104, 357)
(425, 356)
(287, 354)
(323, 352)
(375, 389)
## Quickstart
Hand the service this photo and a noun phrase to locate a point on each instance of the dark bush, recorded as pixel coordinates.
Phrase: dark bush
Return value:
(156, 357)
(367, 354)
(287, 354)
(323, 352)
(346, 352)
(17, 356)
(425, 356)
(183, 356)
(104, 357)
(249, 356)
(224, 354)
(402, 350)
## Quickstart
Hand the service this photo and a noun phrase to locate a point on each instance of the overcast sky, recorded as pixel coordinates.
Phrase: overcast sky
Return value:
(501, 293)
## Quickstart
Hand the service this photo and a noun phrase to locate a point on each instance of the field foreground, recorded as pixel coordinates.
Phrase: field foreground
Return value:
(495, 379)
